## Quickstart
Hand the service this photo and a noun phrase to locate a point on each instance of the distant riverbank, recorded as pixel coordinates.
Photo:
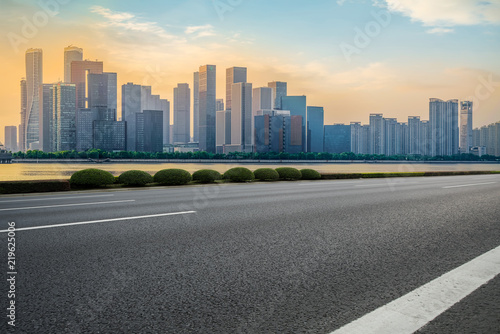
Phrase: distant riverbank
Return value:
(245, 161)
(63, 169)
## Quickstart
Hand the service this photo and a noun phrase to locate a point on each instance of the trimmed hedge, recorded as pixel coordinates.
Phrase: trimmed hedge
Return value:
(266, 174)
(91, 177)
(289, 173)
(137, 178)
(173, 177)
(18, 187)
(206, 176)
(310, 174)
(239, 174)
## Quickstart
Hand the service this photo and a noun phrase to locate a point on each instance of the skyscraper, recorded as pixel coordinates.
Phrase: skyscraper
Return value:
(390, 125)
(102, 90)
(219, 105)
(465, 126)
(85, 118)
(220, 125)
(234, 75)
(45, 116)
(64, 117)
(79, 71)
(149, 131)
(207, 108)
(376, 141)
(443, 117)
(182, 110)
(165, 107)
(337, 138)
(279, 90)
(262, 99)
(131, 105)
(196, 107)
(11, 138)
(298, 107)
(414, 135)
(34, 78)
(315, 129)
(241, 117)
(22, 126)
(71, 53)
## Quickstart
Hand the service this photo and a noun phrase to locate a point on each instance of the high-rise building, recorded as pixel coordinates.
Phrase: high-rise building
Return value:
(34, 78)
(79, 72)
(298, 107)
(465, 126)
(279, 91)
(109, 135)
(376, 141)
(11, 138)
(315, 129)
(443, 117)
(149, 131)
(219, 105)
(182, 110)
(262, 99)
(131, 105)
(476, 137)
(278, 132)
(425, 137)
(22, 126)
(207, 108)
(241, 117)
(414, 135)
(390, 125)
(355, 137)
(64, 117)
(102, 90)
(46, 105)
(196, 106)
(337, 138)
(165, 106)
(71, 54)
(294, 134)
(220, 125)
(234, 75)
(85, 118)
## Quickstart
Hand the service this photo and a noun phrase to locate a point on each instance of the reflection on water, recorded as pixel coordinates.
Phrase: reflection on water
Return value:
(46, 171)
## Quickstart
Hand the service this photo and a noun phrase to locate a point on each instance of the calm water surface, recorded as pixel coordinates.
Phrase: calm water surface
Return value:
(47, 171)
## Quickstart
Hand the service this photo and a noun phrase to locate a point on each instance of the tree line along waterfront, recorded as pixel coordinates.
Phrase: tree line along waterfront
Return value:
(201, 155)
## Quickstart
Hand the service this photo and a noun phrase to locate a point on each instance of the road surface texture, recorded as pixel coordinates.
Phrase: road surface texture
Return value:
(282, 257)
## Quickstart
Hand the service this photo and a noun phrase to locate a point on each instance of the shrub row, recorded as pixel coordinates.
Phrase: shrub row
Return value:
(18, 187)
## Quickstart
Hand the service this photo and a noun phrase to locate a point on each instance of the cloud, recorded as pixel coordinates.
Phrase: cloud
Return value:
(447, 13)
(202, 31)
(440, 30)
(130, 22)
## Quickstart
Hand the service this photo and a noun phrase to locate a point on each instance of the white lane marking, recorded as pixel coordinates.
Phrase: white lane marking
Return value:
(412, 311)
(61, 205)
(327, 183)
(468, 185)
(52, 198)
(388, 183)
(100, 221)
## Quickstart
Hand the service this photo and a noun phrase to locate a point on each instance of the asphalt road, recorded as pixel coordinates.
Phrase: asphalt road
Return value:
(290, 257)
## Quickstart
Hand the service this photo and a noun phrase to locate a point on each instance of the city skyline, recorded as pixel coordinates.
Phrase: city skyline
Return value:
(397, 83)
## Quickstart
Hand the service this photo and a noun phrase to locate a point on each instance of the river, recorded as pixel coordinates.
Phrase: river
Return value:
(47, 171)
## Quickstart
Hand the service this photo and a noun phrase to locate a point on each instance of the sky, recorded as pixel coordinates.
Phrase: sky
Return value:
(351, 57)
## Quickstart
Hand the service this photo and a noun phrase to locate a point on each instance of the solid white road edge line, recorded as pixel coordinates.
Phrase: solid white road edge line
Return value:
(412, 311)
(52, 198)
(61, 205)
(468, 185)
(99, 221)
